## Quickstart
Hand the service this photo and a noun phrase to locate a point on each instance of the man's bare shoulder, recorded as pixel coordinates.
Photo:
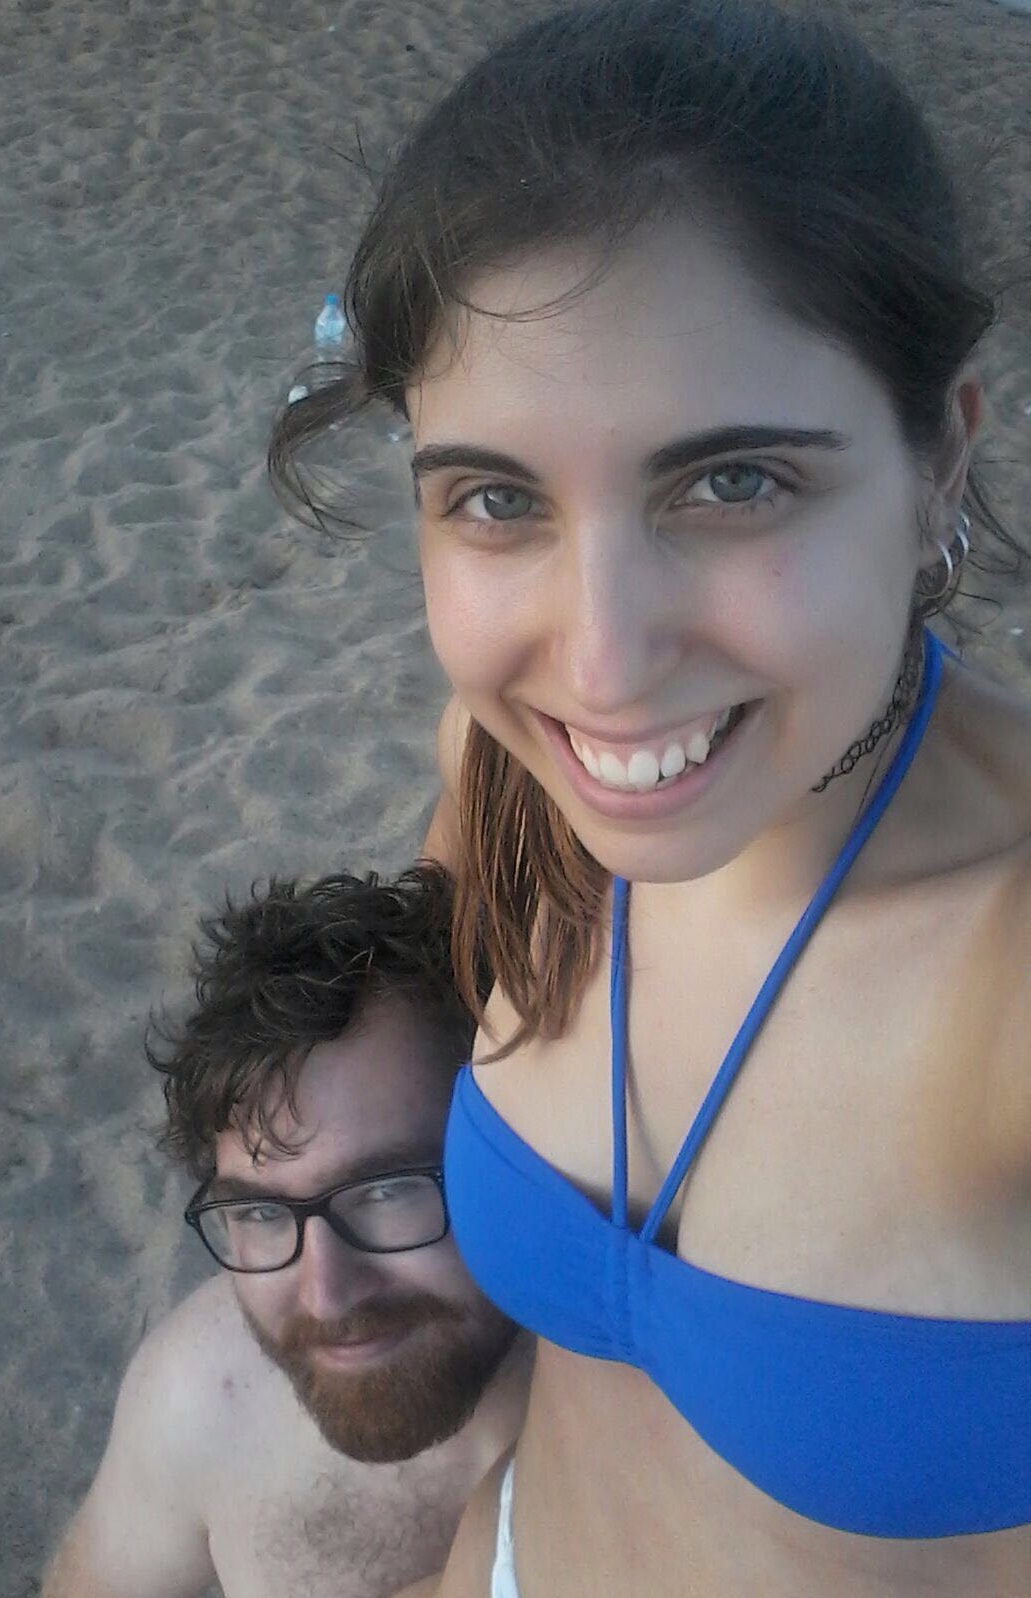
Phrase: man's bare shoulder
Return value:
(194, 1375)
(144, 1525)
(208, 1332)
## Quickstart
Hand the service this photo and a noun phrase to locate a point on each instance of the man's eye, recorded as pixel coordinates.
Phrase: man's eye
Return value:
(261, 1214)
(386, 1192)
(398, 1190)
(497, 502)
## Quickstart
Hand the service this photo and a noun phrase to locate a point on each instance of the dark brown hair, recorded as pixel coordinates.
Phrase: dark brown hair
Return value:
(778, 129)
(292, 967)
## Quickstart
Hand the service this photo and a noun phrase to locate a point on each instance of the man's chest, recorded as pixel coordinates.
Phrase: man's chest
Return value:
(332, 1533)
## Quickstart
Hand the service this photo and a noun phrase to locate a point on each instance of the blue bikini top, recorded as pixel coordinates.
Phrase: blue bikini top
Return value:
(884, 1424)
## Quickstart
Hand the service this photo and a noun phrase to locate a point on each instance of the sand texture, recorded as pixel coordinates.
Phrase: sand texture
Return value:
(194, 691)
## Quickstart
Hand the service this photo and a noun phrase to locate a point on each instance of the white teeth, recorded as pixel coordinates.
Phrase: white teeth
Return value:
(673, 761)
(612, 770)
(642, 770)
(645, 770)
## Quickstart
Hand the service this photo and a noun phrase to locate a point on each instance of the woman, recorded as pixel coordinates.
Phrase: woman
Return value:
(674, 295)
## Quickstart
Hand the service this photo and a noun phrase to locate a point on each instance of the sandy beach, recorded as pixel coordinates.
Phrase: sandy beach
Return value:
(196, 692)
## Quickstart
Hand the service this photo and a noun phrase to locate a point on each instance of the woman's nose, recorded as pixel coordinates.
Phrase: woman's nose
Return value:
(619, 619)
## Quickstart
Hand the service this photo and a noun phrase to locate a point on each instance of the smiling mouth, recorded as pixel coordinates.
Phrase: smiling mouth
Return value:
(357, 1350)
(645, 770)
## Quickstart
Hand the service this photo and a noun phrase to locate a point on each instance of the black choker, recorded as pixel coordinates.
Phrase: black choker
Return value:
(907, 686)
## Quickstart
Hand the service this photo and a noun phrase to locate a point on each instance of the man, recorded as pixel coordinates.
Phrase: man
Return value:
(312, 1421)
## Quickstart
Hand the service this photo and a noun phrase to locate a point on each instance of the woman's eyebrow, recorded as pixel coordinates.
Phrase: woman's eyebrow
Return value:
(728, 440)
(670, 458)
(442, 457)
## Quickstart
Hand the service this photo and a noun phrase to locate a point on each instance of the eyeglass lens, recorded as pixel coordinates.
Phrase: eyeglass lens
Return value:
(388, 1215)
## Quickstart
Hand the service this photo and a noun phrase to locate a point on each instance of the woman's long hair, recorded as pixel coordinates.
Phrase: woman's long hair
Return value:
(781, 133)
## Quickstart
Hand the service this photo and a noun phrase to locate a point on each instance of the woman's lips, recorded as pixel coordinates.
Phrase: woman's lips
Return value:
(644, 764)
(668, 796)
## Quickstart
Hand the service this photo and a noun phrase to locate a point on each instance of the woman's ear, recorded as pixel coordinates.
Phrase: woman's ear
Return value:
(947, 475)
(966, 409)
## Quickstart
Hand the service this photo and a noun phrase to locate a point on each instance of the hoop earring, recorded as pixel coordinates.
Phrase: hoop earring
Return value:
(934, 600)
(963, 535)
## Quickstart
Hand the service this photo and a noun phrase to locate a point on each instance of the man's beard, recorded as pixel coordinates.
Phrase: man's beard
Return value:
(406, 1401)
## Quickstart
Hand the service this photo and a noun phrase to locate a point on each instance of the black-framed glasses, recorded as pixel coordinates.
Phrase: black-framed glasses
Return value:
(387, 1214)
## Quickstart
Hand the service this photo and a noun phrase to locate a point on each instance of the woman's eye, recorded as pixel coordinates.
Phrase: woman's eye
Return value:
(739, 483)
(496, 503)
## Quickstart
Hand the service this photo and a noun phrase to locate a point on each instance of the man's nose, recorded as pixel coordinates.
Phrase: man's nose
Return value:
(334, 1278)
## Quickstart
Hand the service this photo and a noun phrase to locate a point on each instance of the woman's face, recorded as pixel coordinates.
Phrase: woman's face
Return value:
(669, 539)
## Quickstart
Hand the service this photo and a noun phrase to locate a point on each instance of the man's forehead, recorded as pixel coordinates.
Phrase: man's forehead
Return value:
(266, 1169)
(361, 1101)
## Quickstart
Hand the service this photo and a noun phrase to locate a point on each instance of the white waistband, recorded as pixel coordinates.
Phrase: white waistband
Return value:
(503, 1576)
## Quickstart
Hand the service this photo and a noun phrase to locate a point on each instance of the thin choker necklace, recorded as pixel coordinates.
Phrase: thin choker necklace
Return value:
(907, 686)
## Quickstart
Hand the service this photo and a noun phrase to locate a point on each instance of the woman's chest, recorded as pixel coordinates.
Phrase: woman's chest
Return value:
(874, 1144)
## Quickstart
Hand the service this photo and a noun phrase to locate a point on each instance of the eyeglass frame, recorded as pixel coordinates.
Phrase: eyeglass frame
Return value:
(302, 1209)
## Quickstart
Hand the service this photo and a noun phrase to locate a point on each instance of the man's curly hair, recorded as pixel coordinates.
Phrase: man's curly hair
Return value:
(294, 966)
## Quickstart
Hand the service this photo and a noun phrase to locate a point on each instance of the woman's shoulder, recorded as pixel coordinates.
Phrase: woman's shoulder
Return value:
(984, 909)
(980, 767)
(443, 837)
(451, 735)
(990, 692)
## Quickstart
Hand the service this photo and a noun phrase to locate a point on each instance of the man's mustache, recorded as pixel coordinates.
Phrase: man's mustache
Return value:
(368, 1322)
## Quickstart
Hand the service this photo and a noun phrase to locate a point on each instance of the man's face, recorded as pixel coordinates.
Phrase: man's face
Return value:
(389, 1353)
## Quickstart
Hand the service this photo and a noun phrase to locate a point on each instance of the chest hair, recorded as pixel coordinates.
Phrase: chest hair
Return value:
(338, 1537)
